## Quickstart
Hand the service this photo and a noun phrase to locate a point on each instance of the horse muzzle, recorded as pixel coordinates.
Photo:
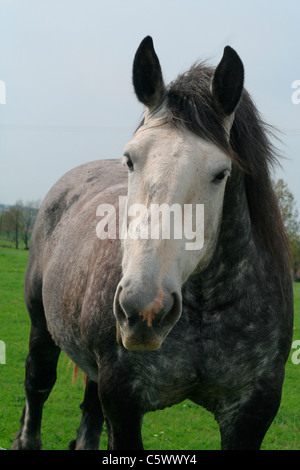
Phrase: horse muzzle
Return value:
(144, 316)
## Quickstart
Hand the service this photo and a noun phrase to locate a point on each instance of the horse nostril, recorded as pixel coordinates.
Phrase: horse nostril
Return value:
(173, 314)
(126, 307)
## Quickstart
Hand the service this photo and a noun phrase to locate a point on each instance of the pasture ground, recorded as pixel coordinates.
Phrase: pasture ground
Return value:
(184, 426)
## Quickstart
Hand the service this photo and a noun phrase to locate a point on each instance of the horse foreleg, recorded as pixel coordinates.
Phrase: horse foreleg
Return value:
(88, 435)
(40, 377)
(124, 433)
(123, 419)
(244, 424)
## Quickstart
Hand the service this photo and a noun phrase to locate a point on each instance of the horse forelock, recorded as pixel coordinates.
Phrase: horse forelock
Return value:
(191, 105)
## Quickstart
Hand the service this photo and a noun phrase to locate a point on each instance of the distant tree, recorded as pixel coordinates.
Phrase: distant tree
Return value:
(6, 223)
(13, 223)
(2, 210)
(288, 208)
(27, 218)
(289, 214)
(17, 222)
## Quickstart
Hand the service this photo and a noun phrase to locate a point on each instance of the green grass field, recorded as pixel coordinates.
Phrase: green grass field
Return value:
(185, 426)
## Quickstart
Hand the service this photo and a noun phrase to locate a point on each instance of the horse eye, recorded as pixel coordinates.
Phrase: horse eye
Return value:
(128, 162)
(220, 176)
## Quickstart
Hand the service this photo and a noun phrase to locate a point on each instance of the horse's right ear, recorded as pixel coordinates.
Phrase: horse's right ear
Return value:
(147, 75)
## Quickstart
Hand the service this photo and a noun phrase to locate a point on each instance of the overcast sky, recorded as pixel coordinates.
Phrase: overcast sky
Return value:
(67, 66)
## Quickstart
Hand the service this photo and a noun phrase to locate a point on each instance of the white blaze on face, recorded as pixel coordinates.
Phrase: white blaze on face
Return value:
(176, 169)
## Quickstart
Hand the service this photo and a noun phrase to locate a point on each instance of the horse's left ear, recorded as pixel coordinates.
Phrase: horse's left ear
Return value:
(147, 75)
(228, 81)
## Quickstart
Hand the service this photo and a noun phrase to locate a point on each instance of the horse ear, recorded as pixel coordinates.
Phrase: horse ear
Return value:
(228, 81)
(147, 75)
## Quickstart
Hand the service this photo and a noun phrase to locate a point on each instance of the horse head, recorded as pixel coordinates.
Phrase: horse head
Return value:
(174, 171)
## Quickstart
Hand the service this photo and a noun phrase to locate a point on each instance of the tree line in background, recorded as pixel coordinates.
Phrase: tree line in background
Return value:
(16, 222)
(289, 214)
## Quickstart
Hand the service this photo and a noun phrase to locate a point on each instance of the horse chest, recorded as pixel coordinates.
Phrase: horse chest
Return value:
(198, 363)
(160, 378)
